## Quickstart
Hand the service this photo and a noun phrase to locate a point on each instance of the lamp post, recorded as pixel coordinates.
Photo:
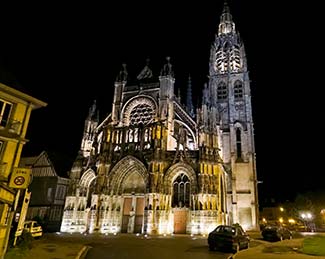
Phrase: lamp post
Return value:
(306, 217)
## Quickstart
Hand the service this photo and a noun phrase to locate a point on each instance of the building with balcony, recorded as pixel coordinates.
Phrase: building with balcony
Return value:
(15, 111)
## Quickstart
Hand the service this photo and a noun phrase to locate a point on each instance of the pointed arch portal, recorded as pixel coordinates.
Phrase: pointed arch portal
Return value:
(129, 179)
(129, 175)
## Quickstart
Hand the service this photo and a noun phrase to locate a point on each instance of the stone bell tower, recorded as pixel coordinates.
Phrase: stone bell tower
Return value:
(231, 112)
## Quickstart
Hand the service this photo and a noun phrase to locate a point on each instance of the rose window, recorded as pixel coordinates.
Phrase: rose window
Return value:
(142, 113)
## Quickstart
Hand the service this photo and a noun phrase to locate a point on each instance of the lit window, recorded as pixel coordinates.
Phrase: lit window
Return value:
(222, 91)
(5, 109)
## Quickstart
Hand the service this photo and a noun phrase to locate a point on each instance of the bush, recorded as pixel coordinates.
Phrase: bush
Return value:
(25, 241)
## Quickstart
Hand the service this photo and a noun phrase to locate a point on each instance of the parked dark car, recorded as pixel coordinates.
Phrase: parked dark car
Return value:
(228, 237)
(276, 233)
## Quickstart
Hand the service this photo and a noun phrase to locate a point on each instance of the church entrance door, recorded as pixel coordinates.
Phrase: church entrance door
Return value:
(139, 212)
(180, 219)
(133, 211)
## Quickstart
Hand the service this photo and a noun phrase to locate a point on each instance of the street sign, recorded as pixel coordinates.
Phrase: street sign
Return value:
(20, 178)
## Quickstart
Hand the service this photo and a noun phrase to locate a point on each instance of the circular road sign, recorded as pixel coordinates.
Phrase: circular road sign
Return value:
(19, 180)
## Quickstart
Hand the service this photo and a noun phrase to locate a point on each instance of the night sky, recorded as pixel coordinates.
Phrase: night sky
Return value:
(69, 56)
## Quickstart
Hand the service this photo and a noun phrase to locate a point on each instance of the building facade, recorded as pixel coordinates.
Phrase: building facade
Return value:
(157, 166)
(15, 111)
(48, 192)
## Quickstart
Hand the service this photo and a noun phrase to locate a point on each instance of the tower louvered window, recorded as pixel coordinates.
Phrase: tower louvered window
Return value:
(235, 59)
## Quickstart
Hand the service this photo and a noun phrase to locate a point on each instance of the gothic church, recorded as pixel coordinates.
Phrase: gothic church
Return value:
(156, 166)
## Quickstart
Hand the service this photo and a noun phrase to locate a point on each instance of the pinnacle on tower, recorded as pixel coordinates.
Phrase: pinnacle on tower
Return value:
(226, 9)
(189, 102)
(226, 24)
(167, 69)
(92, 111)
(123, 74)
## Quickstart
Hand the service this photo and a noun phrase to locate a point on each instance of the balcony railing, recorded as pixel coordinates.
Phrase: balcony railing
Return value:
(13, 127)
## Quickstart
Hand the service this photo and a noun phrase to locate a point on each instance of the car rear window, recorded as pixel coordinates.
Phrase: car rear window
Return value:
(226, 229)
(36, 224)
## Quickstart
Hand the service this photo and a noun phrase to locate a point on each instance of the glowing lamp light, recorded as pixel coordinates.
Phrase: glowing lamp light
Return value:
(306, 215)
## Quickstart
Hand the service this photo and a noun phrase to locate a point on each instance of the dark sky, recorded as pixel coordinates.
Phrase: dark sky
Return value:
(69, 55)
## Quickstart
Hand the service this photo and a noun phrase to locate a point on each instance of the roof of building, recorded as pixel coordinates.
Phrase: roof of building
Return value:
(41, 165)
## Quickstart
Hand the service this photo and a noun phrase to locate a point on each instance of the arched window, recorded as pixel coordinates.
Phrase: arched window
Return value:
(238, 90)
(238, 144)
(181, 191)
(222, 91)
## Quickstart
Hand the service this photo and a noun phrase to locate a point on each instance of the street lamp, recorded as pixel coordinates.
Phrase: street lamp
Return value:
(306, 217)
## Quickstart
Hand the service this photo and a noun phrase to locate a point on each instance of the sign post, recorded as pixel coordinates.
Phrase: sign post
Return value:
(22, 216)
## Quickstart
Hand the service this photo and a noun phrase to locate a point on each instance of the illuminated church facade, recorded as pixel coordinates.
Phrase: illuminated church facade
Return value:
(156, 166)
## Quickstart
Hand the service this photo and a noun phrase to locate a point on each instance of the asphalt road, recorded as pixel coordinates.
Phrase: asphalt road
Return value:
(158, 247)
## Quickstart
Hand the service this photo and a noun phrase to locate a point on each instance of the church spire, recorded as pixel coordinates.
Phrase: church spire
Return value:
(226, 24)
(89, 135)
(189, 102)
(92, 112)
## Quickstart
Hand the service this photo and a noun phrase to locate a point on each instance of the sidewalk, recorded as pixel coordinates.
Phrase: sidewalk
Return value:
(287, 249)
(50, 246)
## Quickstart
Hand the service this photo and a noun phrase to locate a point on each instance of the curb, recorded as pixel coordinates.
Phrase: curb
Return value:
(83, 251)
